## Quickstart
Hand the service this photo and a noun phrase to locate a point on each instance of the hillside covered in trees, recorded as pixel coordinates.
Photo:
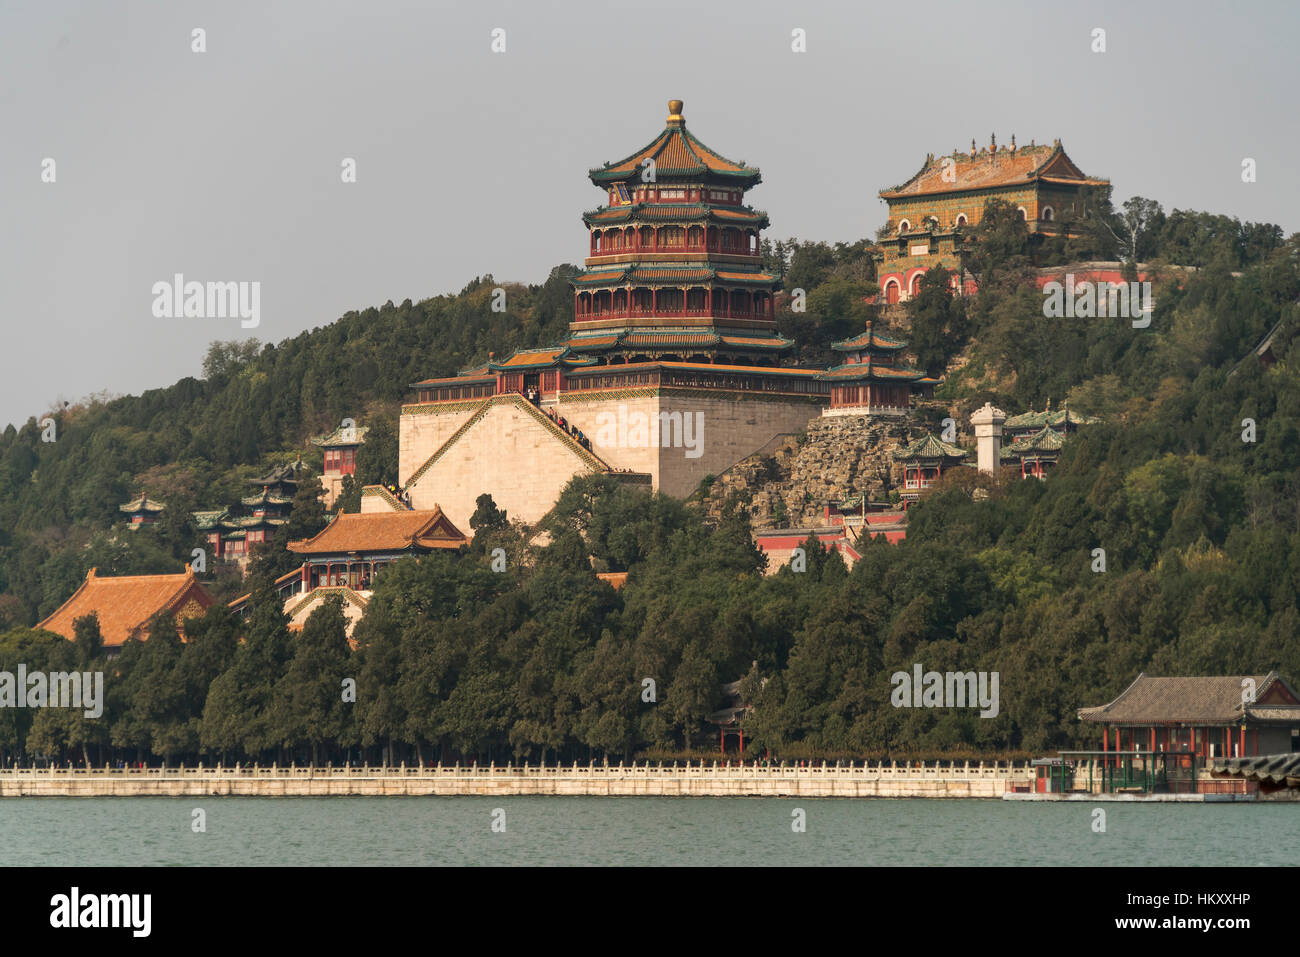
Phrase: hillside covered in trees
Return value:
(1201, 531)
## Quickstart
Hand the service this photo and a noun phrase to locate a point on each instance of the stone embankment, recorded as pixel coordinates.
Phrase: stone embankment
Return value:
(984, 780)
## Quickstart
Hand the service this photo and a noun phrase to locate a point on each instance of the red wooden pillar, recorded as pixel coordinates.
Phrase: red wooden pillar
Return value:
(742, 742)
(1153, 738)
(1241, 747)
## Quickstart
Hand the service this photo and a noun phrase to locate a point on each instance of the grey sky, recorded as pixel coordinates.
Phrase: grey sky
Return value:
(225, 165)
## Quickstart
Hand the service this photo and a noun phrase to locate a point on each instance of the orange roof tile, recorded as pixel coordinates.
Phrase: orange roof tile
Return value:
(747, 276)
(700, 366)
(670, 339)
(125, 603)
(532, 358)
(607, 276)
(616, 580)
(382, 532)
(670, 273)
(961, 171)
(769, 341)
(457, 379)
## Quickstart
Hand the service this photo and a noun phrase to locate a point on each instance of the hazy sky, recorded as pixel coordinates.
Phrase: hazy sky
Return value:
(225, 165)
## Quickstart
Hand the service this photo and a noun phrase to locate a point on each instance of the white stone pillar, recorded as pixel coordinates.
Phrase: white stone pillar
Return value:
(988, 437)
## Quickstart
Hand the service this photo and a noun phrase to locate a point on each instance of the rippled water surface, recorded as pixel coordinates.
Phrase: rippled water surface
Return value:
(637, 831)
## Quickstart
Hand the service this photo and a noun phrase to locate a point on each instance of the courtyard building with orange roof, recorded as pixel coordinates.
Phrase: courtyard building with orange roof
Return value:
(125, 603)
(352, 552)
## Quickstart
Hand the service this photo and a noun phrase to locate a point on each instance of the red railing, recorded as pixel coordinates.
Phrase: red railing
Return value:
(670, 314)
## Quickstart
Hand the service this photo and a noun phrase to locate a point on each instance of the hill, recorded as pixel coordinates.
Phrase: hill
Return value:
(1201, 530)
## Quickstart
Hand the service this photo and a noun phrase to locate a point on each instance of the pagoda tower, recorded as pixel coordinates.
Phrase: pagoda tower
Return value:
(672, 369)
(673, 271)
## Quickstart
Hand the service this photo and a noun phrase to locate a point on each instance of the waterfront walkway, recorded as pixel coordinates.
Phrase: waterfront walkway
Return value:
(866, 779)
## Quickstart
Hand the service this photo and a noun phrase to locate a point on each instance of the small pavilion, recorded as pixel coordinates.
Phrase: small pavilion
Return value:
(142, 510)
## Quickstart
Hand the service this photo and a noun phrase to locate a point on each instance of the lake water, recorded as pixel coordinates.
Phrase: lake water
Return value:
(637, 831)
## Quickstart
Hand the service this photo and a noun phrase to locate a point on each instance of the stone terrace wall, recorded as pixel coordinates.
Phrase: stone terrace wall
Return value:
(878, 780)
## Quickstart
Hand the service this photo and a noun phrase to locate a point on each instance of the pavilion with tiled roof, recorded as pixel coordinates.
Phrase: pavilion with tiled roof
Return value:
(1064, 420)
(923, 462)
(1036, 453)
(282, 479)
(125, 603)
(233, 532)
(1219, 716)
(339, 454)
(142, 510)
(354, 547)
(872, 380)
(928, 213)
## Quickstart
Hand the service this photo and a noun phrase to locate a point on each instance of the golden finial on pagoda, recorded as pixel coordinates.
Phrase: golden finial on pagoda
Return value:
(675, 113)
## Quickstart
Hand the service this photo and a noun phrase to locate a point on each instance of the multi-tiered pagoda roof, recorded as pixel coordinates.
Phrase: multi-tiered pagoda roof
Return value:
(673, 282)
(872, 376)
(675, 252)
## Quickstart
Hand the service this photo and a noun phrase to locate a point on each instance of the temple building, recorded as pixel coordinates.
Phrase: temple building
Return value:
(846, 526)
(1227, 716)
(232, 534)
(928, 213)
(872, 379)
(1063, 420)
(673, 368)
(282, 481)
(142, 510)
(351, 553)
(1036, 438)
(340, 450)
(1036, 454)
(923, 462)
(125, 603)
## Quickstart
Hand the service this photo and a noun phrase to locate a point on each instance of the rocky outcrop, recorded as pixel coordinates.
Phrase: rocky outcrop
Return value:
(788, 483)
